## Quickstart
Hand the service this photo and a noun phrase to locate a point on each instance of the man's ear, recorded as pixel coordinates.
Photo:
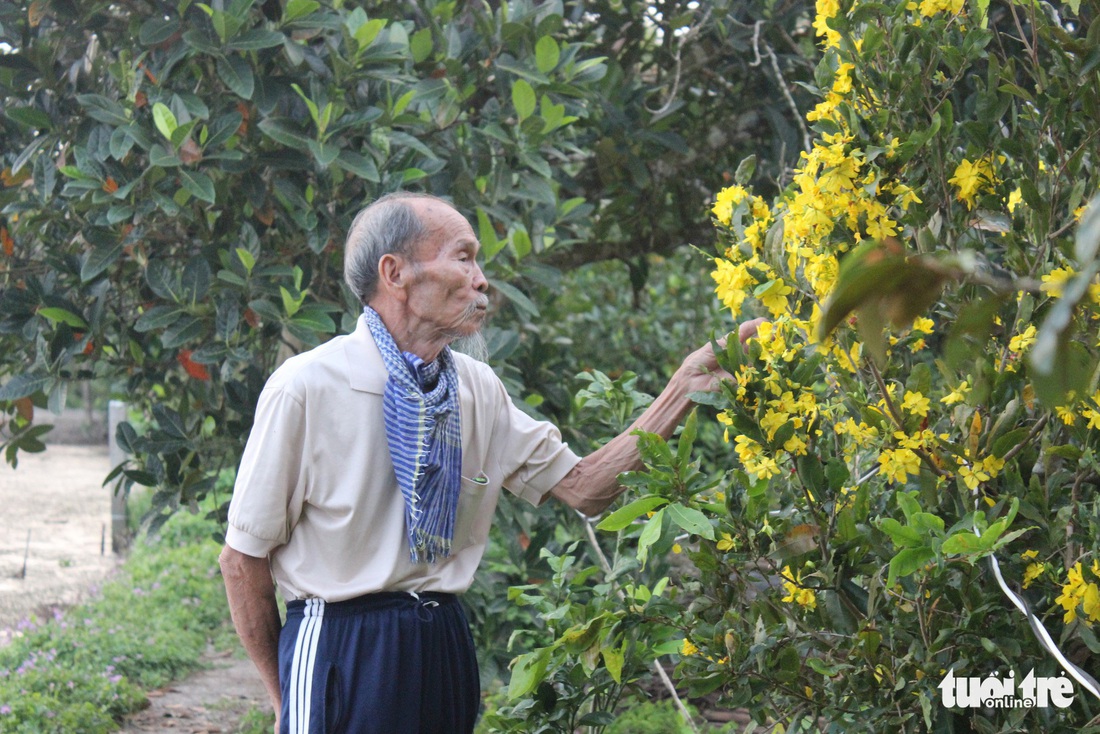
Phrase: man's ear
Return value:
(393, 275)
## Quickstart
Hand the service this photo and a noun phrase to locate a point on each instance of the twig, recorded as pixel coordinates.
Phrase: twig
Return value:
(1011, 453)
(656, 663)
(779, 78)
(26, 554)
(687, 36)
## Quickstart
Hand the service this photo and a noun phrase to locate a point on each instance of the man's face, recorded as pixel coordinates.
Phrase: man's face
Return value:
(448, 287)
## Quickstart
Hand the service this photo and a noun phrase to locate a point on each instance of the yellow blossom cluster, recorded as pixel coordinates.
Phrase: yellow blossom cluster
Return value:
(972, 178)
(928, 8)
(796, 592)
(976, 473)
(1077, 593)
(1034, 570)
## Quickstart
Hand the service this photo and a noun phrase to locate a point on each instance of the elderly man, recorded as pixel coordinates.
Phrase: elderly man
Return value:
(369, 482)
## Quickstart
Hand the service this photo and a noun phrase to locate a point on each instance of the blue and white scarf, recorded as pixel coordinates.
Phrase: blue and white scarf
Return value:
(425, 440)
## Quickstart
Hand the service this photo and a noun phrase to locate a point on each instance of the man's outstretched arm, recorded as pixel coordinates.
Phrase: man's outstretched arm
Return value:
(593, 483)
(251, 594)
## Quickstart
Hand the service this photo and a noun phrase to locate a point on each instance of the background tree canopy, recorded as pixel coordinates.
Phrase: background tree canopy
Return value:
(177, 181)
(178, 177)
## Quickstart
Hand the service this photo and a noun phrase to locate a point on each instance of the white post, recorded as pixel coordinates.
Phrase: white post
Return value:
(120, 529)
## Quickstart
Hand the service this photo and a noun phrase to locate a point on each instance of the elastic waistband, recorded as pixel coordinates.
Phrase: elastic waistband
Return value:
(368, 602)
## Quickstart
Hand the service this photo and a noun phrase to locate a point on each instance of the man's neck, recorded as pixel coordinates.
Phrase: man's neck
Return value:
(408, 338)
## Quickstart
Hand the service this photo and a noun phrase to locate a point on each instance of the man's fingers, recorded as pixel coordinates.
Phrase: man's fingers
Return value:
(747, 330)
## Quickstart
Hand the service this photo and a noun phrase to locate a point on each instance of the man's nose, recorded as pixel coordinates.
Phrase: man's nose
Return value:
(480, 283)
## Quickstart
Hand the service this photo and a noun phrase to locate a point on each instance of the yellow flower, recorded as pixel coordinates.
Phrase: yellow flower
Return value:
(1054, 282)
(726, 200)
(971, 178)
(1014, 200)
(733, 283)
(1065, 412)
(774, 297)
(1029, 555)
(688, 648)
(1073, 593)
(958, 394)
(915, 403)
(1032, 572)
(898, 464)
(1022, 341)
(726, 542)
(677, 548)
(797, 593)
(923, 325)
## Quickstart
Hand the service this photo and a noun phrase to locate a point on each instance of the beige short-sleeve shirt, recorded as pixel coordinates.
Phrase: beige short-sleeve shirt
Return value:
(316, 489)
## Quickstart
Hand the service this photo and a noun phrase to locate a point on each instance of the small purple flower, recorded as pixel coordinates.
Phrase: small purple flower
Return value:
(5, 710)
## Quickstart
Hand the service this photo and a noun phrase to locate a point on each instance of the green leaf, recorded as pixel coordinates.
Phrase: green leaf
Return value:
(613, 659)
(744, 171)
(281, 132)
(490, 243)
(236, 72)
(908, 561)
(366, 33)
(102, 109)
(421, 44)
(627, 514)
(521, 243)
(24, 385)
(31, 117)
(315, 319)
(651, 533)
(183, 331)
(360, 165)
(164, 120)
(902, 536)
(290, 303)
(256, 39)
(299, 9)
(99, 259)
(687, 438)
(547, 54)
(198, 184)
(158, 317)
(527, 672)
(64, 316)
(156, 31)
(962, 542)
(517, 298)
(523, 98)
(691, 520)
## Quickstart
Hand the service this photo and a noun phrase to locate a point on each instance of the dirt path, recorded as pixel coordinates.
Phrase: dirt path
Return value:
(56, 496)
(56, 519)
(212, 700)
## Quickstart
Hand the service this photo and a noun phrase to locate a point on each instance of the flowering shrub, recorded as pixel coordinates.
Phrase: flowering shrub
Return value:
(924, 397)
(919, 416)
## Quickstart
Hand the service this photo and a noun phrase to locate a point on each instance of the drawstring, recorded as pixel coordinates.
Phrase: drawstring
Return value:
(425, 604)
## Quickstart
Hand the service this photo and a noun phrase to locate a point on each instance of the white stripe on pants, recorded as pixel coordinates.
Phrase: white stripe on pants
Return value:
(301, 670)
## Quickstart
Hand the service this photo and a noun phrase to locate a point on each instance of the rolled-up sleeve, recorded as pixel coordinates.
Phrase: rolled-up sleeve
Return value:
(532, 456)
(270, 486)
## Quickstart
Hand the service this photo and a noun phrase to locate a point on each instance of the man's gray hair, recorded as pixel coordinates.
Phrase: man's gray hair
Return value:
(387, 226)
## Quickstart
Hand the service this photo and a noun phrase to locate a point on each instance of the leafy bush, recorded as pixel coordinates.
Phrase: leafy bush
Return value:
(920, 416)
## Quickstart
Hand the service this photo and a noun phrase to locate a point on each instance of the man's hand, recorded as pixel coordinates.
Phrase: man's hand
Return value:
(593, 483)
(700, 371)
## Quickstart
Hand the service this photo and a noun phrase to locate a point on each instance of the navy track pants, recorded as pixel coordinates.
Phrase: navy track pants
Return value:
(388, 663)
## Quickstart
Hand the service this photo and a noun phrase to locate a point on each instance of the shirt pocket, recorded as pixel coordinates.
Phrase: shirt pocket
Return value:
(475, 513)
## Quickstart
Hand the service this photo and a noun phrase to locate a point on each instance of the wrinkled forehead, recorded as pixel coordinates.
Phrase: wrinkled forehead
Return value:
(445, 226)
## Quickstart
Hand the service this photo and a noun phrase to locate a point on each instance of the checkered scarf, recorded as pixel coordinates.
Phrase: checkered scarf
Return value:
(425, 440)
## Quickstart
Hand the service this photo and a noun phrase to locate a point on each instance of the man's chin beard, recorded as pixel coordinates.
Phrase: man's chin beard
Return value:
(472, 345)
